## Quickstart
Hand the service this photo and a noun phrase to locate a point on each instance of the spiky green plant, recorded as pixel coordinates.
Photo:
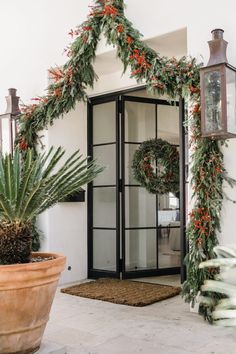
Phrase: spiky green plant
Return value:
(224, 285)
(28, 187)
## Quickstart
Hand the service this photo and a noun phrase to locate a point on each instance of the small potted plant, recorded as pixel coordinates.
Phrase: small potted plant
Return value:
(28, 281)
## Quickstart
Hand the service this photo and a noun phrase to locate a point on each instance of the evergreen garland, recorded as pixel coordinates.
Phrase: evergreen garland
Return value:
(162, 76)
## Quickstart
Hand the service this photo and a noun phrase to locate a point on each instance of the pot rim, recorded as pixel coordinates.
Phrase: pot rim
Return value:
(34, 265)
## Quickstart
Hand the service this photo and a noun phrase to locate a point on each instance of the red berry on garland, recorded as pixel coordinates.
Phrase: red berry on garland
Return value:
(200, 240)
(56, 74)
(85, 39)
(193, 89)
(137, 71)
(57, 92)
(159, 85)
(202, 230)
(109, 10)
(129, 40)
(71, 33)
(87, 28)
(191, 215)
(23, 144)
(197, 224)
(120, 28)
(196, 108)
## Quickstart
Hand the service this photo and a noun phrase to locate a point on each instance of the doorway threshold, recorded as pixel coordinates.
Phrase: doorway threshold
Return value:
(173, 280)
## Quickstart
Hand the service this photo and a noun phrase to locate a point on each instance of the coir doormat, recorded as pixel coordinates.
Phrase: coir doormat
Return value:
(124, 292)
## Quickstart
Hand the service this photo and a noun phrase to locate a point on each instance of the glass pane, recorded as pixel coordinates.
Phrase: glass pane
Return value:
(104, 207)
(129, 154)
(140, 249)
(6, 145)
(169, 246)
(168, 209)
(173, 201)
(14, 130)
(104, 249)
(105, 156)
(231, 100)
(168, 123)
(139, 121)
(104, 118)
(212, 85)
(140, 208)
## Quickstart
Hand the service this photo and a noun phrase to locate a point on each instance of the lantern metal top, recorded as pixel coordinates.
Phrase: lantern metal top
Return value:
(12, 103)
(217, 33)
(218, 47)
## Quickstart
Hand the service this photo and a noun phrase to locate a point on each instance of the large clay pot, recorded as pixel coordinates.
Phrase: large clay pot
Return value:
(26, 295)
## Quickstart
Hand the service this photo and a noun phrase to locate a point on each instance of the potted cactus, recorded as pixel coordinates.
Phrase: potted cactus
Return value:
(29, 186)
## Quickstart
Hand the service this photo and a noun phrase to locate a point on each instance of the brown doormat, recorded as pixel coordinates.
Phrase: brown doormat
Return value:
(124, 292)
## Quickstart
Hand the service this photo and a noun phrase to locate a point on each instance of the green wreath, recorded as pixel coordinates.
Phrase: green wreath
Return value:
(156, 166)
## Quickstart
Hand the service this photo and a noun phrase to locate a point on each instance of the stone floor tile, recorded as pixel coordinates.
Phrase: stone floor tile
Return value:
(88, 326)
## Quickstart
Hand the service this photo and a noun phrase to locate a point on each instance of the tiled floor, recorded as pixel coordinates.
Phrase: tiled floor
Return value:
(87, 326)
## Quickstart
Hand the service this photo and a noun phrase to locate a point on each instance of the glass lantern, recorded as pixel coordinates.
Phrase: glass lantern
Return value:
(218, 92)
(8, 127)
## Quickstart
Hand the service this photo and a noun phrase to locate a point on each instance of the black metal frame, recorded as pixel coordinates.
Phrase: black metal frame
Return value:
(120, 189)
(145, 272)
(96, 273)
(183, 181)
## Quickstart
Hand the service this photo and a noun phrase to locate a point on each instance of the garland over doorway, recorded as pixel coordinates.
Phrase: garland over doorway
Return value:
(162, 76)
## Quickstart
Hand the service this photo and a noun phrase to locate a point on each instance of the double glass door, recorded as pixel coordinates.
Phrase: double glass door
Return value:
(130, 232)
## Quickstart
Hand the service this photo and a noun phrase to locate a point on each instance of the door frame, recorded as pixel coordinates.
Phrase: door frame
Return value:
(145, 272)
(120, 260)
(95, 273)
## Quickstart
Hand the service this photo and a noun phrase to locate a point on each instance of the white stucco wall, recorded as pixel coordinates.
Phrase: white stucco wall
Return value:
(65, 225)
(33, 35)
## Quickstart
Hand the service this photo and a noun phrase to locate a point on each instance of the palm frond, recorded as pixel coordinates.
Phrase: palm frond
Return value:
(30, 186)
(225, 311)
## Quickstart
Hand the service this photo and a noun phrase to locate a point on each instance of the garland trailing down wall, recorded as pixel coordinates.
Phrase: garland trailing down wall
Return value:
(162, 76)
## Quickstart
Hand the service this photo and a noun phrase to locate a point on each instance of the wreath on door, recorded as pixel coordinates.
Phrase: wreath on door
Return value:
(155, 166)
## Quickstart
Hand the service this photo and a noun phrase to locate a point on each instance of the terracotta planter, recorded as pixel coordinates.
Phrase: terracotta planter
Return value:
(26, 296)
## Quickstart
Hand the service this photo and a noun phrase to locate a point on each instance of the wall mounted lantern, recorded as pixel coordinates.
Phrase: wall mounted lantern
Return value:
(8, 127)
(218, 92)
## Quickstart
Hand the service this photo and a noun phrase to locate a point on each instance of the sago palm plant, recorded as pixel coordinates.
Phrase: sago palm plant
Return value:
(29, 186)
(224, 285)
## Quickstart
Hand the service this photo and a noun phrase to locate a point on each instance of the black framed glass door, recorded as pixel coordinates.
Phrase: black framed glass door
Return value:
(150, 223)
(103, 193)
(130, 231)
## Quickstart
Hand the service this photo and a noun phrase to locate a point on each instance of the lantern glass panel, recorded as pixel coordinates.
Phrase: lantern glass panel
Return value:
(231, 100)
(13, 129)
(213, 112)
(6, 135)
